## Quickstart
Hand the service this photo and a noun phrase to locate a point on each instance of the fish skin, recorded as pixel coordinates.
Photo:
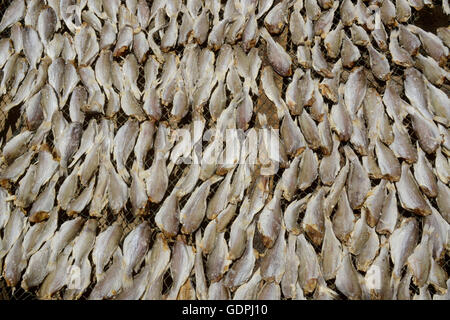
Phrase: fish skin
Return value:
(45, 168)
(309, 268)
(379, 33)
(360, 234)
(86, 45)
(304, 56)
(117, 189)
(57, 277)
(106, 244)
(439, 103)
(374, 203)
(82, 247)
(279, 59)
(16, 169)
(330, 87)
(424, 175)
(158, 259)
(442, 200)
(77, 205)
(217, 291)
(62, 238)
(192, 214)
(437, 277)
(249, 290)
(8, 72)
(432, 44)
(167, 216)
(319, 63)
(387, 162)
(218, 260)
(415, 91)
(68, 144)
(111, 283)
(325, 21)
(5, 207)
(389, 212)
(358, 183)
(333, 41)
(333, 196)
(355, 90)
(138, 288)
(290, 276)
(16, 146)
(12, 231)
(156, 178)
(309, 130)
(124, 142)
(380, 287)
(108, 35)
(24, 195)
(344, 219)
(15, 12)
(388, 13)
(124, 40)
(46, 24)
(289, 180)
(67, 189)
(409, 194)
(401, 292)
(402, 243)
(242, 269)
(326, 142)
(275, 19)
(44, 202)
(359, 36)
(419, 262)
(340, 118)
(32, 46)
(238, 236)
(269, 221)
(400, 55)
(36, 271)
(273, 264)
(349, 52)
(313, 221)
(201, 289)
(368, 253)
(403, 10)
(402, 146)
(393, 102)
(379, 64)
(135, 246)
(269, 291)
(346, 278)
(331, 252)
(183, 259)
(438, 224)
(444, 34)
(330, 165)
(442, 167)
(219, 200)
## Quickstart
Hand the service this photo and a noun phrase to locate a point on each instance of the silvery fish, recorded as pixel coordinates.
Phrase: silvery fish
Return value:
(183, 259)
(135, 246)
(279, 59)
(106, 244)
(111, 283)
